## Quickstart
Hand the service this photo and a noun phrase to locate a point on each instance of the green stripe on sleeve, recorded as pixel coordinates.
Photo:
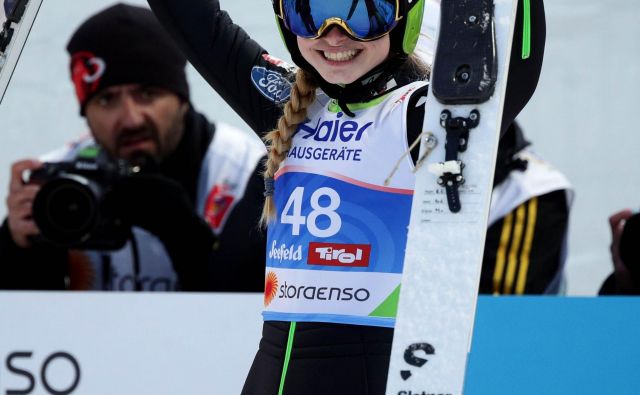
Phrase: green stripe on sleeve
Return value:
(526, 29)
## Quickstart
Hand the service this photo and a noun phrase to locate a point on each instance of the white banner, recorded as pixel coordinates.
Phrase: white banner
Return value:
(127, 343)
(55, 343)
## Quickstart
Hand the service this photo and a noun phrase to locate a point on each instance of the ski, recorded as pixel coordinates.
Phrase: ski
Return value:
(16, 17)
(451, 199)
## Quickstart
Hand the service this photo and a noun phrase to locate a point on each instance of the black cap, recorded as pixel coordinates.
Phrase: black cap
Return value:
(124, 44)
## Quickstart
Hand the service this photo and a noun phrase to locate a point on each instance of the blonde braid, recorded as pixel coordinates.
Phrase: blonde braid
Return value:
(278, 141)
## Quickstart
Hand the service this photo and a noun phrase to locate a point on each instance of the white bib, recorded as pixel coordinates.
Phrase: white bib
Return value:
(336, 249)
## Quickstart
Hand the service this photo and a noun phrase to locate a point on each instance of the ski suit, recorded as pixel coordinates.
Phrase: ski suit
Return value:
(328, 330)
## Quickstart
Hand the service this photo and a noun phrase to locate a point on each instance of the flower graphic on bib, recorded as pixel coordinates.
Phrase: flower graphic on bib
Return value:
(270, 288)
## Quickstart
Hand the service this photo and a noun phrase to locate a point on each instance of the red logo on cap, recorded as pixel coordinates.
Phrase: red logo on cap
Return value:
(86, 71)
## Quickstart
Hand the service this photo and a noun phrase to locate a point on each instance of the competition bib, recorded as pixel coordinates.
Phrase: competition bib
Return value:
(336, 248)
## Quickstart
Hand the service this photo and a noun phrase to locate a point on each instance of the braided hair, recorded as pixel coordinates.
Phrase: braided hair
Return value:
(278, 141)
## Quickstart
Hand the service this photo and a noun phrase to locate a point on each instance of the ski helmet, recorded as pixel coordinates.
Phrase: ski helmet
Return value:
(403, 32)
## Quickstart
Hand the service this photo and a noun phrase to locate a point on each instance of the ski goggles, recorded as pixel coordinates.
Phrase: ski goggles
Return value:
(363, 20)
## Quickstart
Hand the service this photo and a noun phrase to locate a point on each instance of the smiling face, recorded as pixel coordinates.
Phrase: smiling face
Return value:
(129, 120)
(340, 59)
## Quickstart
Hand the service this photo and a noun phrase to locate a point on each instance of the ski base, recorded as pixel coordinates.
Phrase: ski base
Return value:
(15, 30)
(450, 209)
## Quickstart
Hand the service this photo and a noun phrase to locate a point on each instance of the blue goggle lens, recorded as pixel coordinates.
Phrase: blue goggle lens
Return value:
(363, 19)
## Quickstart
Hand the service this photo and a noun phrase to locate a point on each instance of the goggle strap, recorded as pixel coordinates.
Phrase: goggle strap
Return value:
(412, 28)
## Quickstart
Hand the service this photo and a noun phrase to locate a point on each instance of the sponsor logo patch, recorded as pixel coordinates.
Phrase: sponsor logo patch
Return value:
(218, 205)
(348, 255)
(282, 252)
(271, 84)
(328, 293)
(333, 129)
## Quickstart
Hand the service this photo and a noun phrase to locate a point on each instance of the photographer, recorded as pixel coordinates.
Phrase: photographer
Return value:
(625, 255)
(189, 198)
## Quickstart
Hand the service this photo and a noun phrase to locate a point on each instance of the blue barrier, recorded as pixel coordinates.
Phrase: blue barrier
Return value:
(555, 345)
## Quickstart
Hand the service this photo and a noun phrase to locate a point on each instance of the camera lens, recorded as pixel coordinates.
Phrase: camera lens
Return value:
(65, 210)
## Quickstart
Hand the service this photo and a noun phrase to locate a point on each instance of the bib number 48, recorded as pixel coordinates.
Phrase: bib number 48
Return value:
(292, 212)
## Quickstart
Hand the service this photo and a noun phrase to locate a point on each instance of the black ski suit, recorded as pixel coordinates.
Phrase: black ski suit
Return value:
(325, 358)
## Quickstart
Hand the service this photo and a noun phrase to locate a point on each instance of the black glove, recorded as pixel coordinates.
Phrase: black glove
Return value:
(162, 206)
(40, 267)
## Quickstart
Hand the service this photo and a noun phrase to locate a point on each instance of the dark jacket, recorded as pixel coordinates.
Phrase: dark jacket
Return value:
(231, 261)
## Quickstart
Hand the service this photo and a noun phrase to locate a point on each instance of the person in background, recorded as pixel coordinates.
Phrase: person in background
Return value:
(625, 254)
(526, 246)
(193, 201)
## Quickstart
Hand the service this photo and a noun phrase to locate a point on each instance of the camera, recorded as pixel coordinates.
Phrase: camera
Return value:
(73, 208)
(629, 246)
